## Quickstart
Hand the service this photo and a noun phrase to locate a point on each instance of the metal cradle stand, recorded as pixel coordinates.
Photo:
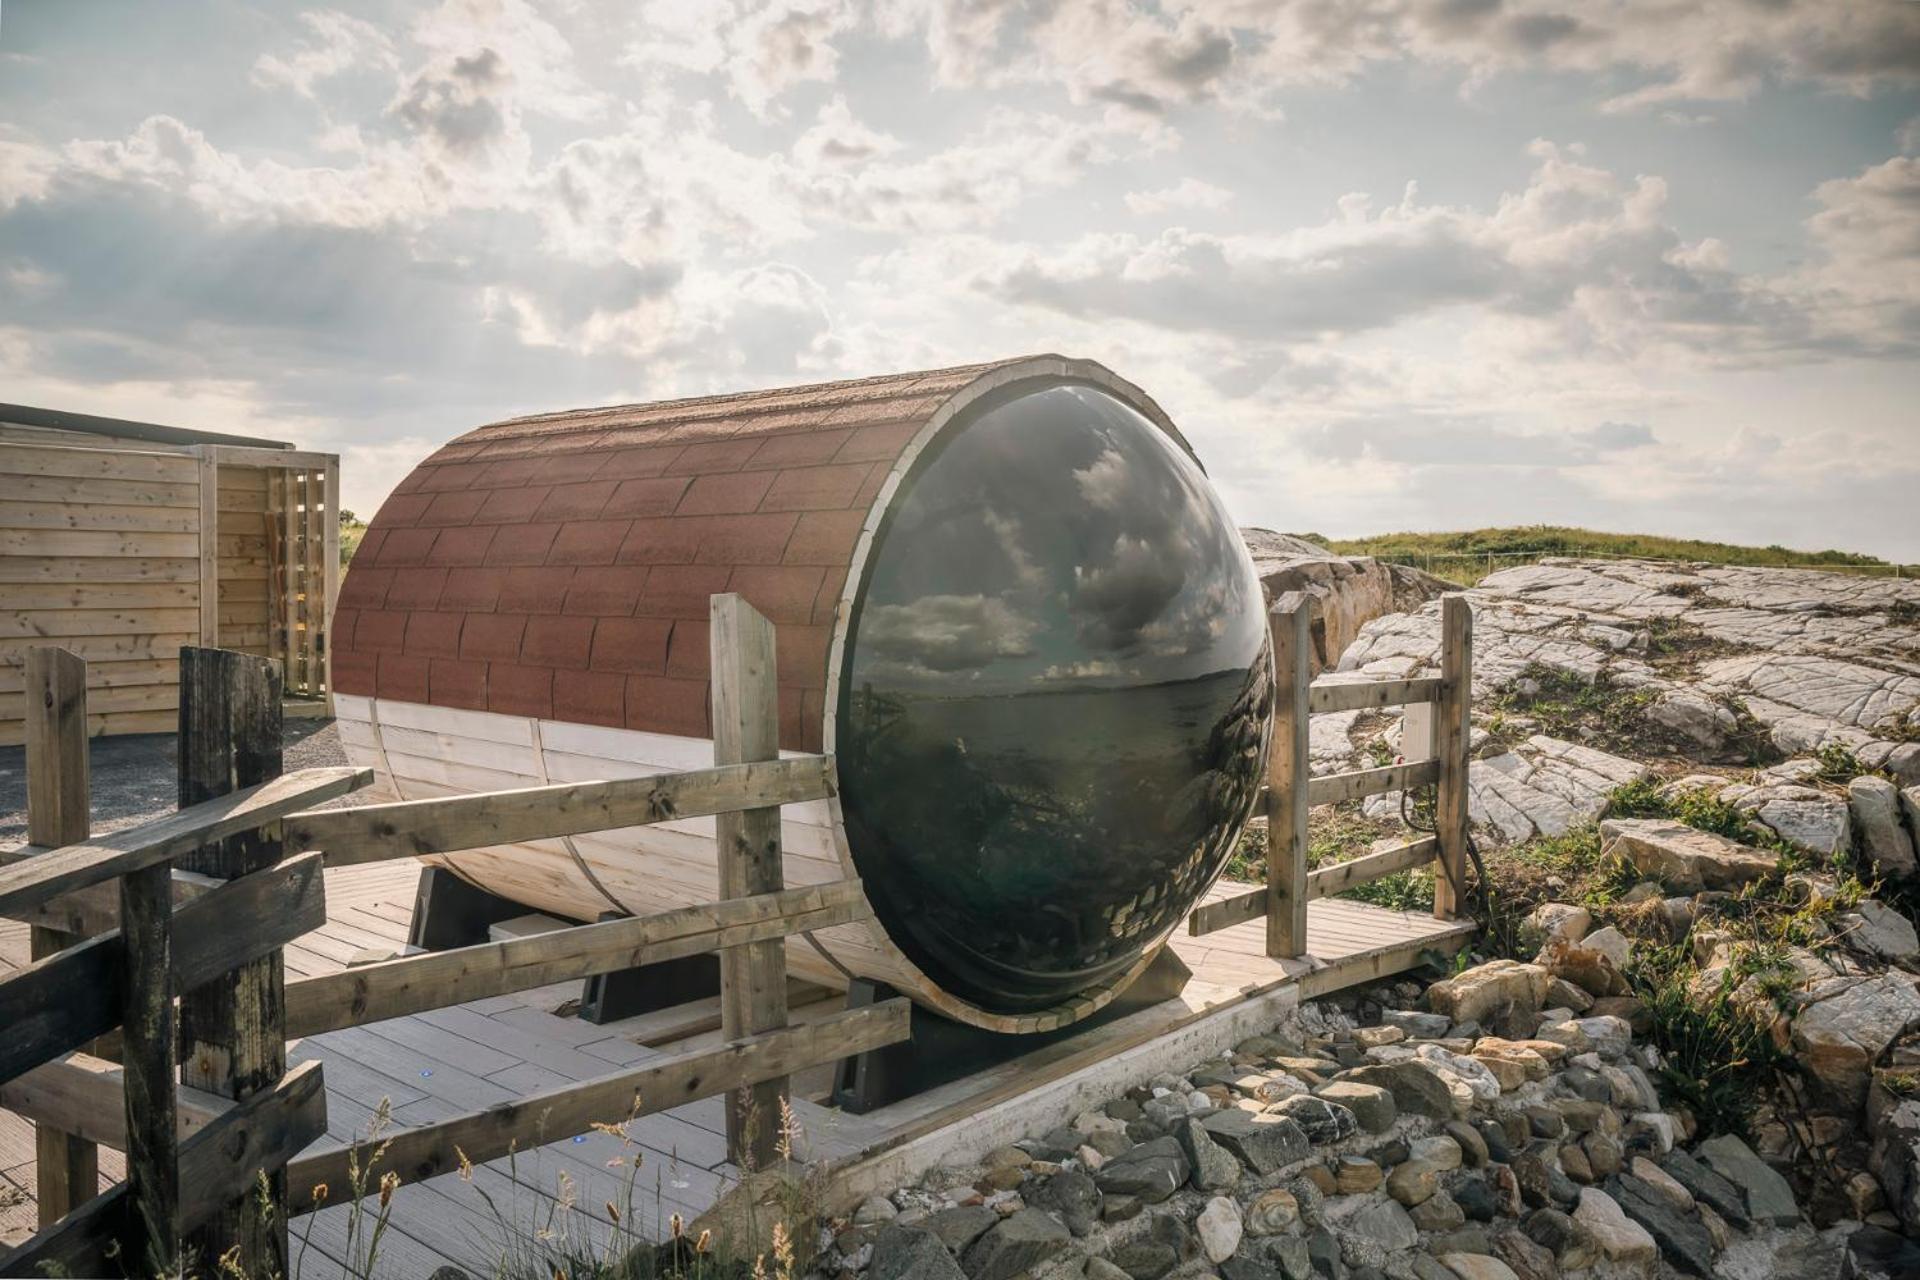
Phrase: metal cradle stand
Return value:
(942, 1050)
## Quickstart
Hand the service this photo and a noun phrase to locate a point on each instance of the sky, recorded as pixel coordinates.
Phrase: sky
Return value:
(1639, 265)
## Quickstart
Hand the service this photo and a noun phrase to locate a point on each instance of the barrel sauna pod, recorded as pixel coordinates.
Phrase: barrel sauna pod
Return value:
(1006, 599)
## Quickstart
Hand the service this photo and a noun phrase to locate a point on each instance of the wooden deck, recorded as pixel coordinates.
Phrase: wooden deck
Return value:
(433, 1065)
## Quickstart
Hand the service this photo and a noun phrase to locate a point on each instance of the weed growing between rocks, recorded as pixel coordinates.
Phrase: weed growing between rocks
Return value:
(1715, 1059)
(1698, 807)
(1565, 705)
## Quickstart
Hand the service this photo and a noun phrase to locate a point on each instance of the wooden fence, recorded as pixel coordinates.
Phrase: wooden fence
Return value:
(251, 861)
(1433, 753)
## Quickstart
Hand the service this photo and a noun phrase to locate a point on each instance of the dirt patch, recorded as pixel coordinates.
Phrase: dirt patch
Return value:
(133, 777)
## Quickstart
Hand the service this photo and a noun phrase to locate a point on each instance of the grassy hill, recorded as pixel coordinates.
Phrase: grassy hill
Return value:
(1471, 553)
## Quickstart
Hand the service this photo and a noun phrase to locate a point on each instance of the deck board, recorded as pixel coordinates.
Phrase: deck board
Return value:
(433, 1065)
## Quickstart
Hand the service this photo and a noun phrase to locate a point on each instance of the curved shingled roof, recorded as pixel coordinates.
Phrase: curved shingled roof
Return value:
(560, 565)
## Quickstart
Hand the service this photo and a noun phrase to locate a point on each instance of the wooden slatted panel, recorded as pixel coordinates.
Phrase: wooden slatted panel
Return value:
(244, 617)
(312, 599)
(99, 553)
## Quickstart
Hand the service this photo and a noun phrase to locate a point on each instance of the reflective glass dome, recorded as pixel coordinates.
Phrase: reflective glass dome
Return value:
(1053, 700)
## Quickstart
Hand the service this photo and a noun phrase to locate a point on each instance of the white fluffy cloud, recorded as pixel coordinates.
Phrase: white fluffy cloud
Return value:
(336, 43)
(1241, 52)
(494, 206)
(1580, 258)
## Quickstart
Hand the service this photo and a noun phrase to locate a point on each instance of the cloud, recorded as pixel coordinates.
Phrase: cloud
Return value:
(1240, 53)
(1188, 193)
(948, 632)
(1867, 281)
(1471, 444)
(1580, 258)
(759, 50)
(336, 43)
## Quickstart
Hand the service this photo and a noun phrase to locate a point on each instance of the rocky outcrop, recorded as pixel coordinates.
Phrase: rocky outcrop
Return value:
(1347, 592)
(1682, 858)
(1545, 787)
(1812, 659)
(1847, 1024)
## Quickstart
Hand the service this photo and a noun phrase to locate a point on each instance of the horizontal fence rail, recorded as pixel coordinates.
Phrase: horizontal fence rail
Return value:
(196, 1148)
(1325, 883)
(408, 828)
(71, 998)
(1365, 695)
(1433, 738)
(217, 1165)
(34, 882)
(1333, 788)
(434, 1149)
(412, 984)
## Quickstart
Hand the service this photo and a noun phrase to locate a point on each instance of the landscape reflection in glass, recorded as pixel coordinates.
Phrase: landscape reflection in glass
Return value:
(1056, 691)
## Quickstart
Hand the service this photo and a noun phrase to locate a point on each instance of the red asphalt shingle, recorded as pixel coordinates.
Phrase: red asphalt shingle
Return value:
(561, 565)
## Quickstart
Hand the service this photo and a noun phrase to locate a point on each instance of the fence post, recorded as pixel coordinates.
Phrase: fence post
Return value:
(67, 1169)
(1451, 736)
(147, 1054)
(753, 977)
(1287, 778)
(233, 1031)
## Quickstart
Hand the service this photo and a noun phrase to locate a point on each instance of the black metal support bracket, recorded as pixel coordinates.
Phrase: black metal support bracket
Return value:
(941, 1050)
(449, 912)
(625, 993)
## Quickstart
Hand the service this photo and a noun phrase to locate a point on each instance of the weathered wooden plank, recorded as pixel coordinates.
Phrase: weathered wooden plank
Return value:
(217, 1166)
(94, 542)
(101, 648)
(233, 1031)
(57, 623)
(114, 464)
(33, 881)
(80, 1094)
(1211, 917)
(371, 833)
(1365, 695)
(208, 551)
(1287, 785)
(1342, 876)
(1356, 784)
(47, 568)
(330, 571)
(147, 1040)
(1383, 961)
(410, 984)
(58, 798)
(313, 609)
(61, 1002)
(664, 1083)
(237, 455)
(94, 515)
(76, 490)
(1452, 738)
(753, 976)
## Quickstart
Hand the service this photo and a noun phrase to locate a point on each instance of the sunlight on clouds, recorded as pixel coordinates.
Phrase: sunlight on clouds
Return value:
(495, 206)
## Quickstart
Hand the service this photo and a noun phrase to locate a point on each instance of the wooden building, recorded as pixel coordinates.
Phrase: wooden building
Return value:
(122, 541)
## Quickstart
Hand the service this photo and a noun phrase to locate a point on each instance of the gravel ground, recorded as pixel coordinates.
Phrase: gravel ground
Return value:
(133, 777)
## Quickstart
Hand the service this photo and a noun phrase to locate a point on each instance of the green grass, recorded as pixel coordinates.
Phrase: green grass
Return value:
(1701, 809)
(1563, 704)
(1566, 541)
